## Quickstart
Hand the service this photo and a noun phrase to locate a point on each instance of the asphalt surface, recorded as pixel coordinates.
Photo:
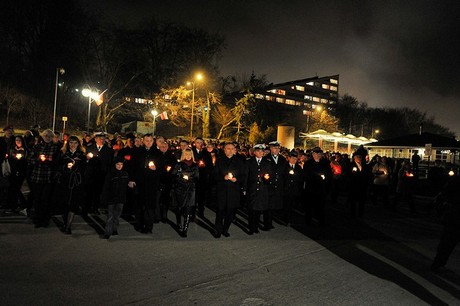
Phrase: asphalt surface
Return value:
(382, 259)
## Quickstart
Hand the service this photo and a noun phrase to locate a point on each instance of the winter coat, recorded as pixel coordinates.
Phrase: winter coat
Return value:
(185, 179)
(228, 192)
(258, 183)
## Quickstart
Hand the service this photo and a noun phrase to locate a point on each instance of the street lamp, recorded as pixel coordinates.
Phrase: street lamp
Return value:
(91, 95)
(376, 132)
(309, 113)
(58, 71)
(198, 77)
(155, 115)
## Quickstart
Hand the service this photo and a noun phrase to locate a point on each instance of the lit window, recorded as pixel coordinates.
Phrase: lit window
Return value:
(316, 99)
(311, 83)
(298, 103)
(269, 98)
(290, 102)
(308, 97)
(280, 100)
(259, 96)
(300, 88)
(281, 92)
(334, 88)
(324, 101)
(325, 86)
(334, 81)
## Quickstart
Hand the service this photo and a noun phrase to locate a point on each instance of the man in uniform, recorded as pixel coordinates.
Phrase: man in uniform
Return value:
(258, 187)
(293, 186)
(318, 174)
(279, 170)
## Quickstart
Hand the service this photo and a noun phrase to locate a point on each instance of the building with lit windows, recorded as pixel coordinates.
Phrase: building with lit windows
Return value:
(305, 93)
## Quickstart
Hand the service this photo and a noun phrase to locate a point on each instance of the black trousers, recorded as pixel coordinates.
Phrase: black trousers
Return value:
(42, 202)
(314, 207)
(224, 219)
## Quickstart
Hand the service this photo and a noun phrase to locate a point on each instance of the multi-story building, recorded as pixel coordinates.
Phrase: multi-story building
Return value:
(306, 93)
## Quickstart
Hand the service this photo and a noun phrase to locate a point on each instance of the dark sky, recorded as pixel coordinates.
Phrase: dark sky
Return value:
(388, 53)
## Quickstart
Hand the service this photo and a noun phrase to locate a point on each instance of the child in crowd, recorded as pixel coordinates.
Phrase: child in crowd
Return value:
(114, 195)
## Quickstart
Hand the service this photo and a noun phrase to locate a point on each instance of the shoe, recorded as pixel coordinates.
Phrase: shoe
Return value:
(256, 231)
(226, 234)
(250, 233)
(146, 231)
(105, 237)
(114, 233)
(217, 235)
(37, 225)
(68, 231)
(23, 212)
(183, 234)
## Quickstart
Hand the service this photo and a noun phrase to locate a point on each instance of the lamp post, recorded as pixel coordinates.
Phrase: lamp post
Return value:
(155, 115)
(198, 77)
(376, 132)
(58, 71)
(91, 95)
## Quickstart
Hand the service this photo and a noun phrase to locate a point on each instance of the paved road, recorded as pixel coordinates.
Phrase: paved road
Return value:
(381, 260)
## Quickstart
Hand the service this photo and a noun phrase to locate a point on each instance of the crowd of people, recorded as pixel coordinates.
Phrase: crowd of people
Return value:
(148, 176)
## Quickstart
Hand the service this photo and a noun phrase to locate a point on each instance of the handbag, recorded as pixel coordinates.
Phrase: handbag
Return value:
(6, 168)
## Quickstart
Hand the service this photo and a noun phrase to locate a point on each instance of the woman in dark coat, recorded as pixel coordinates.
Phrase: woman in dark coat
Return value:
(69, 190)
(185, 175)
(18, 161)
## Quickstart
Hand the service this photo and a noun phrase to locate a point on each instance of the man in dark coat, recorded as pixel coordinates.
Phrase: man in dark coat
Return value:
(99, 158)
(230, 177)
(279, 170)
(166, 180)
(292, 187)
(359, 182)
(204, 161)
(318, 174)
(258, 187)
(145, 178)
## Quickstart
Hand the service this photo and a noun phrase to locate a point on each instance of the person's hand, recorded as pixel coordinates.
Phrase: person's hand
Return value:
(131, 184)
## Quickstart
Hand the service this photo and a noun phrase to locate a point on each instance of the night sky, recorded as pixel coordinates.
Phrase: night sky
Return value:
(388, 53)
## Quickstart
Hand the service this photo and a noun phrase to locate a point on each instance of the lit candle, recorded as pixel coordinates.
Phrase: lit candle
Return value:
(323, 176)
(230, 175)
(168, 168)
(70, 165)
(408, 174)
(266, 176)
(355, 169)
(291, 172)
(128, 157)
(19, 156)
(185, 177)
(151, 164)
(201, 163)
(42, 157)
(90, 155)
(451, 173)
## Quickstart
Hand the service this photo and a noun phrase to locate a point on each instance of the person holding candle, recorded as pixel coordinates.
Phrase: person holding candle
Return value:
(230, 175)
(99, 159)
(293, 186)
(43, 158)
(144, 178)
(18, 162)
(69, 191)
(317, 173)
(204, 161)
(279, 170)
(114, 196)
(359, 181)
(258, 187)
(186, 175)
(166, 180)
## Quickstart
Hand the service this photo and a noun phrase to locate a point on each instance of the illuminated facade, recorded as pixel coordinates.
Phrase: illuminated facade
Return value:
(306, 93)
